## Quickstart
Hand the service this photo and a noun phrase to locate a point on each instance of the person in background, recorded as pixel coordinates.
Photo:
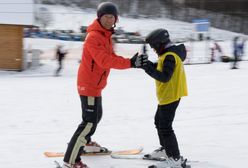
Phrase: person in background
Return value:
(171, 85)
(216, 52)
(97, 59)
(235, 52)
(238, 50)
(241, 46)
(60, 55)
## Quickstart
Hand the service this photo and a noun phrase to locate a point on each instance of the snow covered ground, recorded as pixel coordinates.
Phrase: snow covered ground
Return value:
(39, 112)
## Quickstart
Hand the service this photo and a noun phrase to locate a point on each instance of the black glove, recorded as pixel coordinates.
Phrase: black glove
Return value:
(138, 61)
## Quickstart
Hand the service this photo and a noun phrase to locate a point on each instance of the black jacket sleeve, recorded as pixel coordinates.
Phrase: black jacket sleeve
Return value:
(168, 69)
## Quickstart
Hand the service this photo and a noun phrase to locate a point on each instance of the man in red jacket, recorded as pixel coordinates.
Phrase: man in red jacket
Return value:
(97, 59)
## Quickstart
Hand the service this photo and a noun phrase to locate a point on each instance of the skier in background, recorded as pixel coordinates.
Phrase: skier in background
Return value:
(60, 55)
(241, 46)
(171, 85)
(238, 50)
(97, 59)
(216, 52)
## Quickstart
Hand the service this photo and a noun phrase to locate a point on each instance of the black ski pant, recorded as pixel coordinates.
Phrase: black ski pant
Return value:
(91, 115)
(163, 121)
(59, 67)
(236, 59)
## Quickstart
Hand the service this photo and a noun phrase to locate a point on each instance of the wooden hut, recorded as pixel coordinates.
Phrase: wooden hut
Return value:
(15, 15)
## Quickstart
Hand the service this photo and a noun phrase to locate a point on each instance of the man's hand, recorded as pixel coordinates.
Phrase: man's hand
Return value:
(138, 61)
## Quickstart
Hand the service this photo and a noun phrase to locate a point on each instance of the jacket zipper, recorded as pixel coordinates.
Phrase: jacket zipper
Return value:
(104, 73)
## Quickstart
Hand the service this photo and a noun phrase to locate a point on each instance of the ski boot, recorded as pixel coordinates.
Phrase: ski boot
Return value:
(93, 147)
(158, 154)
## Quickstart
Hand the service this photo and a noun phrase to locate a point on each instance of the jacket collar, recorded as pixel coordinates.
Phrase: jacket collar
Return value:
(96, 26)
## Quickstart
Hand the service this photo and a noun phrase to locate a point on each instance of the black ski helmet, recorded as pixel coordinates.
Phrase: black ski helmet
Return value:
(107, 8)
(158, 38)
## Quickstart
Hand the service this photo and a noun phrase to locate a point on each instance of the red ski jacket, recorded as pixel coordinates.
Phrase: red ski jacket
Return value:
(97, 59)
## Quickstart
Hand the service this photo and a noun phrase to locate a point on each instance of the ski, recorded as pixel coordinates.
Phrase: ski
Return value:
(117, 156)
(164, 164)
(155, 166)
(137, 156)
(61, 154)
(121, 152)
(161, 160)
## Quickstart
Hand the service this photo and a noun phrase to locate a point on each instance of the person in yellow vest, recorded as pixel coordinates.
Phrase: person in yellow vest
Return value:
(171, 85)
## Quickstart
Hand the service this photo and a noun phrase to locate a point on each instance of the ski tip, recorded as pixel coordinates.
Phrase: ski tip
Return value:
(57, 164)
(185, 165)
(140, 148)
(47, 154)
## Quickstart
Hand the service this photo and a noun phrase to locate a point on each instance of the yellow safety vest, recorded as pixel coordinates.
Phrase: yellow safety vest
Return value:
(176, 87)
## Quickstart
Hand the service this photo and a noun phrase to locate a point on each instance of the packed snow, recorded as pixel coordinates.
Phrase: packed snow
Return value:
(40, 112)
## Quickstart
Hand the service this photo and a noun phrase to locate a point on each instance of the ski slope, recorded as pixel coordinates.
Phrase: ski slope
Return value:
(39, 112)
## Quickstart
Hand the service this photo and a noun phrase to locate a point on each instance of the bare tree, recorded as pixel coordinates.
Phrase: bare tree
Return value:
(43, 17)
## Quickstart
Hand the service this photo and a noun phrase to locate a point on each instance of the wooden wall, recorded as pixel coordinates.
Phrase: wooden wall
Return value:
(11, 47)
